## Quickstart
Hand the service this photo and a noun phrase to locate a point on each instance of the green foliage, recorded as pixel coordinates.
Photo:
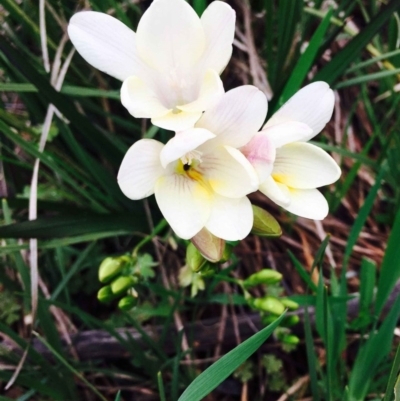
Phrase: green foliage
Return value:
(9, 308)
(84, 218)
(225, 366)
(275, 376)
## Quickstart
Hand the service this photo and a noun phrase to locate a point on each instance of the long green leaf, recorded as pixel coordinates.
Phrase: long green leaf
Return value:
(220, 370)
(67, 226)
(363, 215)
(82, 125)
(338, 65)
(306, 60)
(375, 349)
(392, 379)
(390, 270)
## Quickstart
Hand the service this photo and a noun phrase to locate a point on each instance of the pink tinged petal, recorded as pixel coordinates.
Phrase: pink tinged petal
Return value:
(284, 133)
(228, 172)
(230, 219)
(261, 154)
(140, 100)
(312, 105)
(309, 203)
(304, 166)
(140, 169)
(211, 91)
(105, 43)
(277, 192)
(185, 204)
(218, 21)
(170, 36)
(237, 116)
(182, 143)
(177, 121)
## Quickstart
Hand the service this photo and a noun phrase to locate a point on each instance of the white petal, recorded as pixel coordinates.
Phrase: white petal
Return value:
(228, 172)
(312, 105)
(230, 219)
(275, 191)
(140, 100)
(170, 36)
(260, 152)
(185, 204)
(304, 166)
(237, 116)
(140, 169)
(182, 143)
(218, 21)
(309, 203)
(106, 43)
(177, 121)
(284, 133)
(211, 91)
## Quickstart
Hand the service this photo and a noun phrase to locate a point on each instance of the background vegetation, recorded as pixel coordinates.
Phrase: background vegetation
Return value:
(342, 271)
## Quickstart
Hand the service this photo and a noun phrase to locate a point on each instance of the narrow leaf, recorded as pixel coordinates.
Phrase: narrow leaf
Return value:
(220, 370)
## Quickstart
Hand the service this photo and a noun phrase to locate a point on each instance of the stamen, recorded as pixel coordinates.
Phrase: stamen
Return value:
(190, 156)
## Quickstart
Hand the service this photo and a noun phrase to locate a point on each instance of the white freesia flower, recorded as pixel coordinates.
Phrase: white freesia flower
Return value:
(200, 178)
(299, 168)
(170, 68)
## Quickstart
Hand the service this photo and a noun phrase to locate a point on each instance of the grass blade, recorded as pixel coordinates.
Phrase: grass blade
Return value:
(220, 370)
(338, 65)
(306, 60)
(390, 270)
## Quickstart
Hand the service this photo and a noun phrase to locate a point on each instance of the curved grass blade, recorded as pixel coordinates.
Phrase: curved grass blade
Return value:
(220, 370)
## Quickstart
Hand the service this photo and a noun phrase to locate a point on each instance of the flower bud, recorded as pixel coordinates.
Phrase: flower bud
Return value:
(210, 246)
(121, 284)
(264, 224)
(290, 321)
(109, 267)
(127, 303)
(194, 259)
(290, 339)
(105, 294)
(288, 303)
(268, 319)
(269, 304)
(226, 255)
(264, 276)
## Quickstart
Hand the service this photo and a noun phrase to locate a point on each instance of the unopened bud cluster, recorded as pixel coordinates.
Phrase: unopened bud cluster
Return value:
(271, 306)
(120, 274)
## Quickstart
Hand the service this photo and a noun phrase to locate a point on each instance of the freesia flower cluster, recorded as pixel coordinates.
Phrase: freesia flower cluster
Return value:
(201, 177)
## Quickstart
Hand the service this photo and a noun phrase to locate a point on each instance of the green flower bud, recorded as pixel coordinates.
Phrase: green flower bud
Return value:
(210, 246)
(121, 284)
(227, 253)
(289, 303)
(269, 304)
(290, 339)
(127, 303)
(268, 319)
(291, 321)
(105, 294)
(208, 270)
(194, 259)
(265, 276)
(264, 224)
(109, 267)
